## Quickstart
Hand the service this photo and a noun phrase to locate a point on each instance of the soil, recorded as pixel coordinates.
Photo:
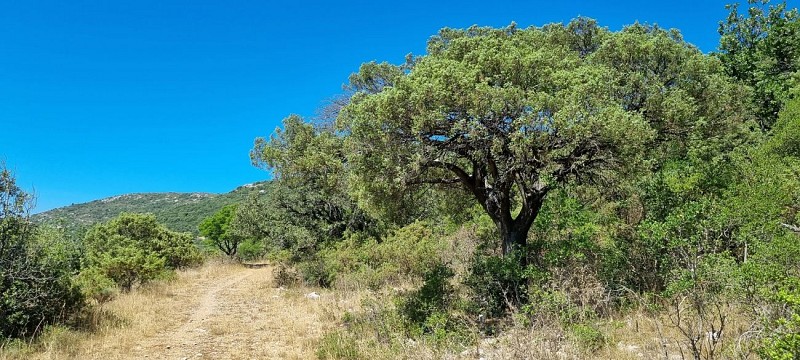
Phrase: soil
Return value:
(240, 316)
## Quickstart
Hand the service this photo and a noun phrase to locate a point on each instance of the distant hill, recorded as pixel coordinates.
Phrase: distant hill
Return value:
(178, 211)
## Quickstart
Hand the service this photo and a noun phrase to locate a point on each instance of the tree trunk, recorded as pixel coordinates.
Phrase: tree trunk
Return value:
(514, 239)
(514, 232)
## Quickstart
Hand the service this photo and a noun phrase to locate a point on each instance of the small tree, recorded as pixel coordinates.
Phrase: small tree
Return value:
(217, 230)
(135, 248)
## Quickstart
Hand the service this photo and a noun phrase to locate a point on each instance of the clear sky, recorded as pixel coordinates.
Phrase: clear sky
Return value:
(100, 98)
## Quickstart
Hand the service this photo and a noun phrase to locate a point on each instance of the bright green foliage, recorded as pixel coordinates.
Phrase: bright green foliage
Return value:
(568, 233)
(35, 280)
(135, 248)
(217, 231)
(251, 249)
(96, 285)
(762, 48)
(785, 140)
(511, 114)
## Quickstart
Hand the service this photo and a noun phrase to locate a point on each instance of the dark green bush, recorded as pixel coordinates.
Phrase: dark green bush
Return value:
(424, 308)
(33, 294)
(498, 284)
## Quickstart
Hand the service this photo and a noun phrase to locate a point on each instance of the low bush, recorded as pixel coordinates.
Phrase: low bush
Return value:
(250, 250)
(335, 345)
(783, 343)
(499, 284)
(361, 260)
(588, 337)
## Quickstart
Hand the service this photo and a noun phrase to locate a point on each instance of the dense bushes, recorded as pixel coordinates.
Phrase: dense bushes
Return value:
(404, 254)
(36, 288)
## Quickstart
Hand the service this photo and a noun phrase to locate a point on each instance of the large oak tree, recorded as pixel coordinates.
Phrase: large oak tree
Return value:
(511, 114)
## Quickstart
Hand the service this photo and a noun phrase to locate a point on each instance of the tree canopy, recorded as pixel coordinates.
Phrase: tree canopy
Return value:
(216, 228)
(510, 114)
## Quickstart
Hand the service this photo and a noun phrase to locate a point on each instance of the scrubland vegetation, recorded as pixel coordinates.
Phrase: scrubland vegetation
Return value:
(552, 192)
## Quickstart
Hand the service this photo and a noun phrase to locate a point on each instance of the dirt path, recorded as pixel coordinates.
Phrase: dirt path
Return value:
(193, 339)
(233, 313)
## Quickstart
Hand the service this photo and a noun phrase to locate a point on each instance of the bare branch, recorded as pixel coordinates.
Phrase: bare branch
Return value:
(791, 227)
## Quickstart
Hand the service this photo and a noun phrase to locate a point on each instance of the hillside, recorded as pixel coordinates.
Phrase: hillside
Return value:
(178, 211)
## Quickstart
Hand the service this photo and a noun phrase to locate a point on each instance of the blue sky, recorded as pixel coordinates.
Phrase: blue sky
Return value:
(100, 98)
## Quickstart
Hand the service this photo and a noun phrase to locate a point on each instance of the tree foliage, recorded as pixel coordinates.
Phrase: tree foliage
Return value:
(307, 203)
(217, 230)
(510, 114)
(761, 47)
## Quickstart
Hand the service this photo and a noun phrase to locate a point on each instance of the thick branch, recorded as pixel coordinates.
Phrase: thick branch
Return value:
(458, 171)
(791, 227)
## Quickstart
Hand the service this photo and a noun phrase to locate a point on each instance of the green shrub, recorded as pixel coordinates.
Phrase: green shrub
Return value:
(589, 337)
(548, 306)
(315, 272)
(33, 294)
(784, 341)
(407, 253)
(94, 284)
(135, 248)
(250, 250)
(410, 251)
(36, 287)
(426, 309)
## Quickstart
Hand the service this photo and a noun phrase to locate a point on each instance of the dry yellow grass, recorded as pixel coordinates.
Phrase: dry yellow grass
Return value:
(219, 311)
